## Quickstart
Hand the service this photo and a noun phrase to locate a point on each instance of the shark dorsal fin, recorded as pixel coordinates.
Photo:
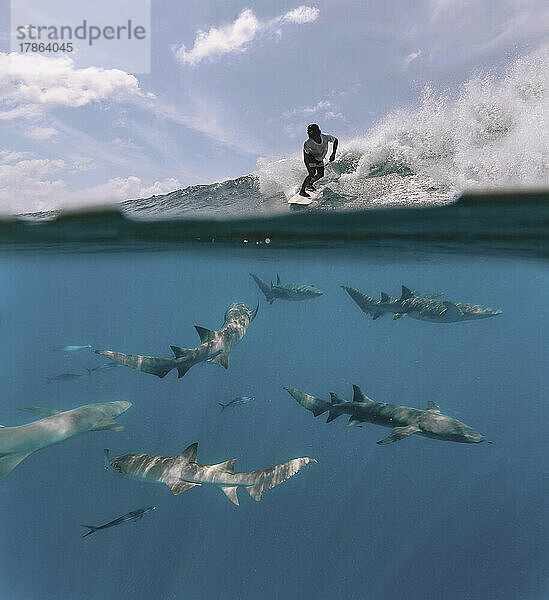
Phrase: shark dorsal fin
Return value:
(227, 466)
(206, 335)
(385, 297)
(336, 399)
(406, 293)
(359, 395)
(277, 279)
(44, 412)
(433, 406)
(189, 454)
(177, 351)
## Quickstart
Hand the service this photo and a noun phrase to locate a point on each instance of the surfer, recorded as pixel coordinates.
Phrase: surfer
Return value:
(314, 151)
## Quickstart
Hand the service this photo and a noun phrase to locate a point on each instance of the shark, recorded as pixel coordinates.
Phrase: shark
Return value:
(286, 291)
(133, 515)
(183, 472)
(420, 307)
(403, 420)
(17, 443)
(216, 346)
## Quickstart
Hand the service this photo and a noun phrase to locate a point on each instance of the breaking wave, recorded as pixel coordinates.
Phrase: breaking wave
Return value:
(492, 134)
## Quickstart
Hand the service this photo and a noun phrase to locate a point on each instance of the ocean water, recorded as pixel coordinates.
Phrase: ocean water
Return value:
(420, 518)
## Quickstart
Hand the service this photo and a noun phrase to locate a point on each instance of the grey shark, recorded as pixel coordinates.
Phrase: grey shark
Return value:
(286, 291)
(17, 443)
(419, 307)
(133, 515)
(216, 346)
(403, 420)
(182, 472)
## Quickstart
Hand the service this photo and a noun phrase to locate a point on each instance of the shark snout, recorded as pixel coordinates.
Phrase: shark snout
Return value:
(121, 406)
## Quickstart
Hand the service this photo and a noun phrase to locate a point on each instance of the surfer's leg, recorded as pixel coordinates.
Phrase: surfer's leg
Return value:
(319, 174)
(308, 180)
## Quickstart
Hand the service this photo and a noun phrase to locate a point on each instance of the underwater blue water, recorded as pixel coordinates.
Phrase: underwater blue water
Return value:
(417, 519)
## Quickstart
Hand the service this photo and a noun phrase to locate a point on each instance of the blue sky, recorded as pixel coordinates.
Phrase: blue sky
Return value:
(245, 87)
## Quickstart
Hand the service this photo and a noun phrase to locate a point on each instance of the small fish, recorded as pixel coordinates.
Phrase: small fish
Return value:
(134, 515)
(64, 377)
(236, 402)
(73, 348)
(103, 367)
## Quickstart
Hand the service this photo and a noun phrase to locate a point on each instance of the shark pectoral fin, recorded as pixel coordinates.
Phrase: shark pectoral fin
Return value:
(189, 454)
(222, 359)
(227, 466)
(231, 494)
(452, 310)
(43, 412)
(178, 487)
(108, 425)
(377, 314)
(398, 316)
(433, 406)
(206, 335)
(353, 421)
(399, 433)
(10, 461)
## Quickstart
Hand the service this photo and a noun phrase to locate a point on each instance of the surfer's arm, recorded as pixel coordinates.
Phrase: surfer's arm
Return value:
(333, 155)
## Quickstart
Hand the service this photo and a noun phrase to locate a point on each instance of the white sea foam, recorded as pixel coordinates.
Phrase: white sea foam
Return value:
(493, 133)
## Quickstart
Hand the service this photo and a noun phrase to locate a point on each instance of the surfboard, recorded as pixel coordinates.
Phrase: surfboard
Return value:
(301, 200)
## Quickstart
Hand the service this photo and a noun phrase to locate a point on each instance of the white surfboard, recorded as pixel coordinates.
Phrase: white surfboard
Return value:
(301, 200)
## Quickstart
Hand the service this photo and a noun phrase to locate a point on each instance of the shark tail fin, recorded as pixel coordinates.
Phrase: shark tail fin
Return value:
(10, 461)
(273, 476)
(264, 287)
(148, 364)
(367, 305)
(315, 405)
(92, 529)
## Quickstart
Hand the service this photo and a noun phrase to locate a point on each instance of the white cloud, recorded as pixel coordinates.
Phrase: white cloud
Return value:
(41, 133)
(36, 184)
(235, 36)
(411, 57)
(300, 15)
(307, 110)
(31, 84)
